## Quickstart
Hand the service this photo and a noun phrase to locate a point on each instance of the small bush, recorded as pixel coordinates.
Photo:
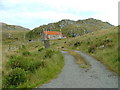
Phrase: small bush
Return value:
(16, 76)
(44, 63)
(40, 49)
(15, 61)
(23, 47)
(34, 65)
(26, 53)
(77, 44)
(28, 64)
(36, 46)
(49, 53)
(88, 43)
(91, 50)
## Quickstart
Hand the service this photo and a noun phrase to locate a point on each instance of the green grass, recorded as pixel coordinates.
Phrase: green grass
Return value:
(90, 43)
(44, 75)
(79, 59)
(39, 68)
(40, 64)
(12, 36)
(34, 52)
(70, 27)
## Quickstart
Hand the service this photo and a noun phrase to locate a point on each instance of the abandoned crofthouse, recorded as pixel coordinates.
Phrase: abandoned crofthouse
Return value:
(49, 35)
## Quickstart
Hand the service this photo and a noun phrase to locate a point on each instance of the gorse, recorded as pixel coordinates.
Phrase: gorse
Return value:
(23, 66)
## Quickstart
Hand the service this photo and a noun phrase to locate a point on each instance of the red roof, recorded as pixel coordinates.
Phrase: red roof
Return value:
(52, 33)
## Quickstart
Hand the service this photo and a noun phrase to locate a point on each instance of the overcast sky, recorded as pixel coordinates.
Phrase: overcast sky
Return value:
(33, 13)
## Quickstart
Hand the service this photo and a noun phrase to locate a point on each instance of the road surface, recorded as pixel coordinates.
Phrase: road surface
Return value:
(73, 76)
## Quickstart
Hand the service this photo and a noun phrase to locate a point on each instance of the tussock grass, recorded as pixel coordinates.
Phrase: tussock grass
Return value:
(39, 67)
(92, 44)
(79, 59)
(44, 75)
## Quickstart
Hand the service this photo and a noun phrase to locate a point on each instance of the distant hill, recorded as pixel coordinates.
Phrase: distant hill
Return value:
(12, 27)
(71, 28)
(13, 32)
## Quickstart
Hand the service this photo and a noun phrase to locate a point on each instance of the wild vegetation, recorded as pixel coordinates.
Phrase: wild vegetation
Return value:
(79, 60)
(71, 28)
(12, 27)
(27, 64)
(101, 44)
(29, 69)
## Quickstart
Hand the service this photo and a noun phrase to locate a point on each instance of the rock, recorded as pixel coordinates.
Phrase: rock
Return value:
(101, 46)
(91, 50)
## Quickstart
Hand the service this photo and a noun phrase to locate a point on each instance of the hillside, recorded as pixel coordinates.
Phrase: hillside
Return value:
(28, 64)
(13, 32)
(102, 44)
(12, 27)
(39, 65)
(71, 28)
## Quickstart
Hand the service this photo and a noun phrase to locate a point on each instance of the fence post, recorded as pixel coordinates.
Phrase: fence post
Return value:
(9, 47)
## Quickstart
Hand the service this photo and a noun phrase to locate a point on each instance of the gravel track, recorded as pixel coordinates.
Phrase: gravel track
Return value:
(73, 76)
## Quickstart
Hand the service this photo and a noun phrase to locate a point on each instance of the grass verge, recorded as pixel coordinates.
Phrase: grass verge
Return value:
(103, 45)
(79, 59)
(38, 67)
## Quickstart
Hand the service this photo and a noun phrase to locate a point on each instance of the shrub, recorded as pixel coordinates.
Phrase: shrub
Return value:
(23, 47)
(34, 65)
(40, 49)
(49, 53)
(88, 43)
(15, 61)
(15, 77)
(77, 44)
(26, 53)
(91, 50)
(44, 63)
(28, 64)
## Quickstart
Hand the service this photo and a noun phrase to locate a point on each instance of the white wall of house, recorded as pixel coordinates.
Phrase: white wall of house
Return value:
(54, 36)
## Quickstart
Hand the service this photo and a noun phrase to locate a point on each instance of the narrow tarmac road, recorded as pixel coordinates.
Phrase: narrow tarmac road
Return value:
(73, 76)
